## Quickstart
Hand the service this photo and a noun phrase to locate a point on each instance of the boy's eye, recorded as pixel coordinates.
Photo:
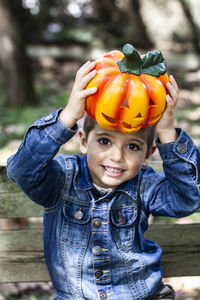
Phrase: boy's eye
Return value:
(133, 147)
(104, 141)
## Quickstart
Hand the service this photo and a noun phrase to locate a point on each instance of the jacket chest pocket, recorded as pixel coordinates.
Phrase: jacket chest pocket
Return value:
(76, 224)
(123, 224)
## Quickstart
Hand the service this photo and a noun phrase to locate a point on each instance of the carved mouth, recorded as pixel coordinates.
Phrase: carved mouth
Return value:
(109, 119)
(114, 121)
(126, 125)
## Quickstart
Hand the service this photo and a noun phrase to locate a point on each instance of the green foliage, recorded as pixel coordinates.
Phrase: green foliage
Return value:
(76, 35)
(15, 121)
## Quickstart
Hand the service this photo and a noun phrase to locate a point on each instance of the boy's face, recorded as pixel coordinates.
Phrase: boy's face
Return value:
(114, 157)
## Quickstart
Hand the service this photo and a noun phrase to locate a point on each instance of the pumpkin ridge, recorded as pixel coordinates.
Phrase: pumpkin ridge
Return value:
(99, 80)
(109, 104)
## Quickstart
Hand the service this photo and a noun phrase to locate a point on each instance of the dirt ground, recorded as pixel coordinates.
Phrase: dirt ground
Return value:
(187, 288)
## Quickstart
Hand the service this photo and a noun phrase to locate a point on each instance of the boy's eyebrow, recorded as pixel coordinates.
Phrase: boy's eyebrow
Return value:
(137, 140)
(102, 133)
(131, 139)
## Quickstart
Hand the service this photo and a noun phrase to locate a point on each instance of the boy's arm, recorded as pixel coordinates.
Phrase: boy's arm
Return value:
(176, 193)
(33, 167)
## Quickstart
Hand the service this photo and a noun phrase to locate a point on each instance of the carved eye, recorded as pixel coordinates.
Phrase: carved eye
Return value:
(151, 103)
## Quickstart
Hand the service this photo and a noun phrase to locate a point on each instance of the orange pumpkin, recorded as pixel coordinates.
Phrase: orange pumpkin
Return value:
(131, 90)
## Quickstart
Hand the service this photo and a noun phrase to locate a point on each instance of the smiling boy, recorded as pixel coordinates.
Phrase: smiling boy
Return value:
(96, 207)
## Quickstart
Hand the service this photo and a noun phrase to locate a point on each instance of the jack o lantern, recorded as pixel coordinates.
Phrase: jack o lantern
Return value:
(131, 90)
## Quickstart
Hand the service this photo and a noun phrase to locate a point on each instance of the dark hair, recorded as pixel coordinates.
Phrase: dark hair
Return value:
(89, 125)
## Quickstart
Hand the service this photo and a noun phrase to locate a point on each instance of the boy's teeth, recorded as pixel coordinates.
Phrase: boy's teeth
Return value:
(113, 170)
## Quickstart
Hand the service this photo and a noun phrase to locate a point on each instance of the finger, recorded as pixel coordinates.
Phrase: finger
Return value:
(173, 82)
(87, 78)
(170, 107)
(88, 92)
(172, 91)
(85, 69)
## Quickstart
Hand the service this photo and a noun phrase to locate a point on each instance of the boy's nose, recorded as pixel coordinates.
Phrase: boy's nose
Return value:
(116, 154)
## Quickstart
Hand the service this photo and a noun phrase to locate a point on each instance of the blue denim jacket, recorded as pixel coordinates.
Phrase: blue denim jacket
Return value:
(94, 244)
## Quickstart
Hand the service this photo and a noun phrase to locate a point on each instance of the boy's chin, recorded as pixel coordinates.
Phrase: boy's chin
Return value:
(111, 182)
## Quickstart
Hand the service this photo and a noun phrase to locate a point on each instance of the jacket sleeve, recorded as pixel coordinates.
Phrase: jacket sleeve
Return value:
(34, 167)
(176, 193)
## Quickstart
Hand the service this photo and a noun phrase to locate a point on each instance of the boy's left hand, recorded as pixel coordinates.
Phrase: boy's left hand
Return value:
(165, 126)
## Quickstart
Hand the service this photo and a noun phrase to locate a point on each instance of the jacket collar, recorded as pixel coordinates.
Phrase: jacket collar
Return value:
(83, 179)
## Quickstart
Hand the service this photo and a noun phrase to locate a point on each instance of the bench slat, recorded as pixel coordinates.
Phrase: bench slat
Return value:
(21, 252)
(21, 256)
(32, 271)
(20, 240)
(13, 202)
(181, 248)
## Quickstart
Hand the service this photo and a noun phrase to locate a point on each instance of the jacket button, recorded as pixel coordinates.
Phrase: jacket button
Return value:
(97, 222)
(78, 215)
(98, 273)
(182, 148)
(97, 250)
(122, 220)
(48, 118)
(102, 295)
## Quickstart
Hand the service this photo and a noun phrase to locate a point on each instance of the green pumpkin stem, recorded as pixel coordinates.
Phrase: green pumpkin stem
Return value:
(152, 63)
(132, 62)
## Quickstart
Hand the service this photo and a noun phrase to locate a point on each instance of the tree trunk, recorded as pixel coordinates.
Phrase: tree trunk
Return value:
(13, 59)
(138, 27)
(195, 31)
(119, 25)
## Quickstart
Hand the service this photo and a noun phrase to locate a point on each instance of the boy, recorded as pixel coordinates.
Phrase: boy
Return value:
(96, 207)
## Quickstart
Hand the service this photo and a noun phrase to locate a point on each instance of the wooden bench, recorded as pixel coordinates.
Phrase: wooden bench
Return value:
(21, 250)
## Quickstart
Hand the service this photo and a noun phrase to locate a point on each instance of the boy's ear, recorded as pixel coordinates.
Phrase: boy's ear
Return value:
(148, 156)
(83, 141)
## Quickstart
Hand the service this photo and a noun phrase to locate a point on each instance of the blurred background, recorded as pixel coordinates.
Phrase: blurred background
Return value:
(42, 45)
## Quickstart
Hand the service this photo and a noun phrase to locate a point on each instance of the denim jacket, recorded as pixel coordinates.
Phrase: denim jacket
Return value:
(94, 244)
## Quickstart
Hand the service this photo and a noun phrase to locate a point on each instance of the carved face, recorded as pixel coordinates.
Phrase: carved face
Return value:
(125, 101)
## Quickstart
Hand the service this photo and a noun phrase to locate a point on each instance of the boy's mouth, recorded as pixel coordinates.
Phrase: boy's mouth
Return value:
(113, 171)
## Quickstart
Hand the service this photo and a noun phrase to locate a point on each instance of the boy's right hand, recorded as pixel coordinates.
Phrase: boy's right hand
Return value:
(75, 107)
